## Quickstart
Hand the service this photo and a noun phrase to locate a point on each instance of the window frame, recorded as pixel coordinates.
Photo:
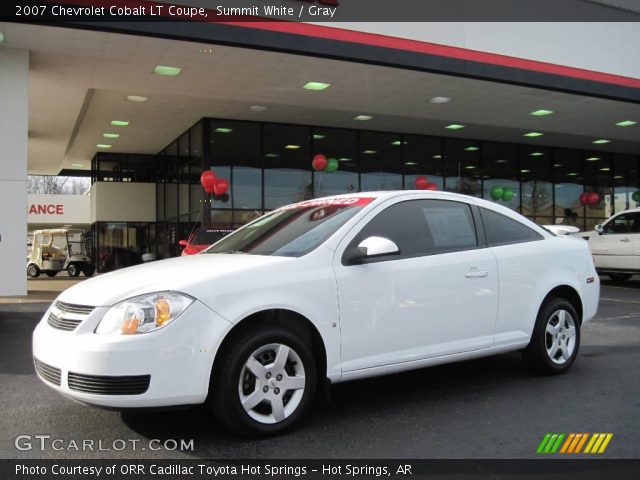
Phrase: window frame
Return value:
(476, 224)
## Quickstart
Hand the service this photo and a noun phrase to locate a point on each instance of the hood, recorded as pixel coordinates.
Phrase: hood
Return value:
(181, 274)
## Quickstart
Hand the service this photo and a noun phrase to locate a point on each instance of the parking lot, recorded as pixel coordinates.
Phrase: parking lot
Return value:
(488, 408)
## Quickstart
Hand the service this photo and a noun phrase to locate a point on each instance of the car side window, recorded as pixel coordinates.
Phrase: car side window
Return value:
(422, 227)
(623, 224)
(502, 230)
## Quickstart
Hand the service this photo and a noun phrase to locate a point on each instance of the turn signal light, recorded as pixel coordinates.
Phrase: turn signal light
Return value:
(163, 312)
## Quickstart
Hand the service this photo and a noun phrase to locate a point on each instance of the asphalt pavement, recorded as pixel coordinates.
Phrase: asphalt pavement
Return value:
(487, 408)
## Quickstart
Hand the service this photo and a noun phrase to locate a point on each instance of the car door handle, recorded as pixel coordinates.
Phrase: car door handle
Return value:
(626, 240)
(475, 273)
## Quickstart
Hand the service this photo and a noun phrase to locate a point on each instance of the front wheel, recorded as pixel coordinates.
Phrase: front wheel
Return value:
(264, 382)
(556, 338)
(73, 270)
(33, 271)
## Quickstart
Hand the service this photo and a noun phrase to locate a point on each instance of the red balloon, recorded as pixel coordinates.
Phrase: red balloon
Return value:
(593, 198)
(421, 182)
(319, 163)
(208, 180)
(584, 198)
(220, 187)
(431, 186)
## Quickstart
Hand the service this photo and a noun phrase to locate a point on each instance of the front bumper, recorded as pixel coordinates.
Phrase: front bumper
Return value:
(168, 367)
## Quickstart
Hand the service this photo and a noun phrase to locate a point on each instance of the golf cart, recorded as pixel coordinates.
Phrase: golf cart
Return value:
(55, 250)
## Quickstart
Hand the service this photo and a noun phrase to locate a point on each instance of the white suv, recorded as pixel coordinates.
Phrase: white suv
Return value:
(615, 245)
(326, 290)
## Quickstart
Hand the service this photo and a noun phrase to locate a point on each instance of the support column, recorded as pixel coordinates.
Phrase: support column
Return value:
(14, 126)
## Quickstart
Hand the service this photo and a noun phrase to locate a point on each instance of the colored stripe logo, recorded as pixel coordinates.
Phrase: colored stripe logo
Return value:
(574, 443)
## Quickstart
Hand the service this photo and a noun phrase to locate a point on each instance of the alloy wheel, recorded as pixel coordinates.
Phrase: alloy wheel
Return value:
(560, 336)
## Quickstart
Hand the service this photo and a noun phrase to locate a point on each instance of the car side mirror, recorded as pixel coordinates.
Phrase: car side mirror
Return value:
(598, 228)
(372, 247)
(182, 243)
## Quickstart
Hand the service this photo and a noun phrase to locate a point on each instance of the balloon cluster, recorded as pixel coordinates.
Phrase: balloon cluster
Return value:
(213, 184)
(501, 193)
(589, 198)
(423, 183)
(321, 163)
(635, 196)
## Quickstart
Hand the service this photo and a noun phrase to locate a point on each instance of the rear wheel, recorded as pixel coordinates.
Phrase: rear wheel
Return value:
(73, 270)
(33, 271)
(88, 270)
(620, 277)
(556, 338)
(264, 382)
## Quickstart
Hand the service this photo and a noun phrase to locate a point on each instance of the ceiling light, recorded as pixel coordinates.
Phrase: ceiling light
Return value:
(292, 147)
(439, 100)
(77, 164)
(592, 159)
(119, 123)
(137, 98)
(257, 108)
(471, 149)
(541, 113)
(1, 37)
(397, 143)
(370, 152)
(317, 86)
(618, 177)
(411, 164)
(111, 135)
(454, 126)
(524, 170)
(558, 165)
(437, 157)
(572, 174)
(317, 136)
(605, 169)
(500, 161)
(533, 134)
(344, 159)
(470, 167)
(166, 70)
(626, 123)
(223, 130)
(272, 155)
(601, 141)
(103, 145)
(363, 118)
(536, 154)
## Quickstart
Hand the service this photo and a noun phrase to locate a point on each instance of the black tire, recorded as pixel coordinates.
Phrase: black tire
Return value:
(620, 277)
(225, 400)
(536, 353)
(88, 270)
(33, 271)
(73, 270)
(51, 274)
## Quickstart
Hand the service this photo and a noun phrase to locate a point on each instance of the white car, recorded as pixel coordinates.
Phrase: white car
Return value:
(562, 229)
(615, 245)
(319, 292)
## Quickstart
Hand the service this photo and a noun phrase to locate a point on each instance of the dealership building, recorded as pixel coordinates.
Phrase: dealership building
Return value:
(547, 111)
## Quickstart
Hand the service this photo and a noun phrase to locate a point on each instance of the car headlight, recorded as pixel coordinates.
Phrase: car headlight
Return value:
(143, 314)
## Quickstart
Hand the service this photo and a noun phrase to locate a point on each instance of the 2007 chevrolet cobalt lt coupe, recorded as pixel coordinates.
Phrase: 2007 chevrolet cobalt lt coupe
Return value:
(331, 289)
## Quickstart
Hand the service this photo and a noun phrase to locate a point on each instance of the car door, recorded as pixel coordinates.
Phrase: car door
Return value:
(617, 245)
(438, 296)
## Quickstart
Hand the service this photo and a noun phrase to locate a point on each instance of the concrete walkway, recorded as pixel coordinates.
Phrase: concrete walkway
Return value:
(43, 289)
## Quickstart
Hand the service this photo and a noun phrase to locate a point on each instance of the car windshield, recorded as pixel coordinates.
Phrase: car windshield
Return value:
(294, 230)
(209, 237)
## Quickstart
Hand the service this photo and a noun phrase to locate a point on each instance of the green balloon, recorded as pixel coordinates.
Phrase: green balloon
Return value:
(496, 193)
(636, 196)
(507, 194)
(332, 165)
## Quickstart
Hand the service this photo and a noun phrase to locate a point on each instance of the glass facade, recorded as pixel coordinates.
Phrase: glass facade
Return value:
(269, 165)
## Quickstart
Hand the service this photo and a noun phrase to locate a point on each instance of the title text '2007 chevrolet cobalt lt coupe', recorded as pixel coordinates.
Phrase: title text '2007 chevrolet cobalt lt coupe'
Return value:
(335, 289)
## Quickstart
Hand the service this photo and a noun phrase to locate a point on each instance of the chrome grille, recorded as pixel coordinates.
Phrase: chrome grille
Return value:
(107, 385)
(65, 316)
(47, 372)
